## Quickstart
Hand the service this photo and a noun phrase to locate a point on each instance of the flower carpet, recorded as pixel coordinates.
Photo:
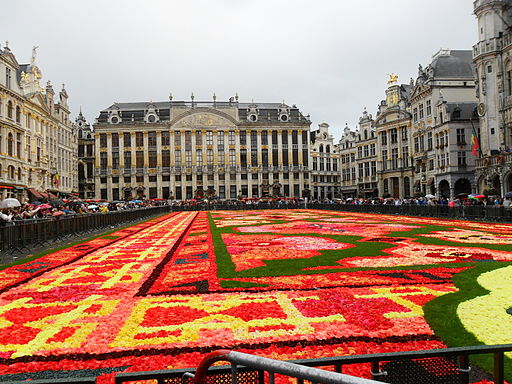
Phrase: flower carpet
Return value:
(285, 284)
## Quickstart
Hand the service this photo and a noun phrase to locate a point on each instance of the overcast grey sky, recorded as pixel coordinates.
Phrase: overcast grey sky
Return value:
(330, 58)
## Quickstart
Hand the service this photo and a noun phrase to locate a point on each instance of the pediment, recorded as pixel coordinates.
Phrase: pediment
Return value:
(204, 119)
(418, 90)
(38, 100)
(391, 116)
(11, 59)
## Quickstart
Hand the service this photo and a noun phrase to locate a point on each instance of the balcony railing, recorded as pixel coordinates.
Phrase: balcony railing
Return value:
(496, 160)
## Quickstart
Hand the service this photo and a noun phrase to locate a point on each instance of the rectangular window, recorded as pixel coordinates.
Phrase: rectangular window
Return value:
(461, 136)
(231, 138)
(127, 139)
(374, 168)
(152, 159)
(103, 140)
(429, 141)
(243, 138)
(220, 141)
(404, 133)
(152, 139)
(115, 160)
(103, 160)
(199, 138)
(416, 144)
(166, 158)
(461, 158)
(8, 77)
(188, 158)
(384, 159)
(429, 107)
(209, 156)
(177, 138)
(421, 111)
(221, 158)
(209, 137)
(166, 138)
(394, 158)
(405, 157)
(139, 159)
(177, 158)
(199, 158)
(139, 139)
(188, 141)
(232, 158)
(394, 136)
(359, 152)
(415, 114)
(115, 140)
(384, 138)
(264, 138)
(254, 140)
(372, 149)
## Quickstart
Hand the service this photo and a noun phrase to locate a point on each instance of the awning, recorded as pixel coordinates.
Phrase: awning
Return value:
(35, 193)
(6, 187)
(430, 182)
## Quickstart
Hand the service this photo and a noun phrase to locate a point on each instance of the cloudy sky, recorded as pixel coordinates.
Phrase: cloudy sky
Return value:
(329, 57)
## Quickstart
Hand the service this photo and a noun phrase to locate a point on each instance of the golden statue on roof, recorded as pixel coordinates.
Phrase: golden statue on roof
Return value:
(393, 78)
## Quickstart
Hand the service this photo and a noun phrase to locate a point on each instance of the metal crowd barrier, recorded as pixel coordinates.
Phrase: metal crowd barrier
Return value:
(447, 366)
(471, 212)
(25, 235)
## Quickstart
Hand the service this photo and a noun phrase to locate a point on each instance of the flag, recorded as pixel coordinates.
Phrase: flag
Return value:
(475, 145)
(57, 181)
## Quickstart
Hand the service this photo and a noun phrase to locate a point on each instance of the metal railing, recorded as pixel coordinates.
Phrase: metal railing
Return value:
(24, 236)
(470, 212)
(448, 365)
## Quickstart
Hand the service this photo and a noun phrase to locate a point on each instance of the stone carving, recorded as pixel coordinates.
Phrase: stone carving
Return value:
(203, 120)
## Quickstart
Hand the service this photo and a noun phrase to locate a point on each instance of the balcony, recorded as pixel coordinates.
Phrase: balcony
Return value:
(493, 161)
(488, 46)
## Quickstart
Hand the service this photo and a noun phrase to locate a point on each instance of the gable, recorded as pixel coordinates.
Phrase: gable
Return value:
(203, 119)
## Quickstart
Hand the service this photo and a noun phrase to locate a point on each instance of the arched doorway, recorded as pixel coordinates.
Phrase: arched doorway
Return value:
(507, 182)
(462, 186)
(407, 187)
(444, 189)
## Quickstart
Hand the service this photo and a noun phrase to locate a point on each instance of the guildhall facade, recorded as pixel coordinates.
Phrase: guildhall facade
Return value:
(189, 149)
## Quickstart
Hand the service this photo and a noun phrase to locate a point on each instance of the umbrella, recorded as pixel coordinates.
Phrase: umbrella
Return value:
(461, 195)
(476, 196)
(56, 203)
(508, 195)
(58, 213)
(429, 196)
(10, 203)
(45, 206)
(92, 206)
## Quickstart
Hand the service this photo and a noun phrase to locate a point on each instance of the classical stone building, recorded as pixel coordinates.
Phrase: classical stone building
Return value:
(366, 147)
(182, 150)
(392, 128)
(442, 103)
(38, 144)
(324, 159)
(86, 157)
(492, 55)
(348, 165)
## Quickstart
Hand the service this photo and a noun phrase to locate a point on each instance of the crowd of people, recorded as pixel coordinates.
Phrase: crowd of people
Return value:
(62, 207)
(57, 208)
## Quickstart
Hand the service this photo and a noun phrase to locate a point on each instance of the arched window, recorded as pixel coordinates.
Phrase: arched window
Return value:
(18, 114)
(327, 149)
(365, 134)
(19, 173)
(9, 109)
(10, 171)
(10, 144)
(321, 149)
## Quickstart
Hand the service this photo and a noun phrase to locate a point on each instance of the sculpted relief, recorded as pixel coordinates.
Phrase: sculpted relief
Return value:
(203, 120)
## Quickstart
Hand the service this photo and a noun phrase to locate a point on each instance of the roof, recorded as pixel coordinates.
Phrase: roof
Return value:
(453, 64)
(467, 110)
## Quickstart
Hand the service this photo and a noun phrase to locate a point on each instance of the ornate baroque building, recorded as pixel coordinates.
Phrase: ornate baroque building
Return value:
(38, 144)
(324, 158)
(492, 55)
(443, 106)
(348, 165)
(366, 146)
(392, 128)
(86, 158)
(182, 150)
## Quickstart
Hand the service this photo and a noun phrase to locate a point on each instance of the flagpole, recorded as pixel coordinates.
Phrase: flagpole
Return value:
(477, 137)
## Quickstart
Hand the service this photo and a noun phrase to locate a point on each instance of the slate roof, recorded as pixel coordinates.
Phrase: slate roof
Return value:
(467, 110)
(459, 64)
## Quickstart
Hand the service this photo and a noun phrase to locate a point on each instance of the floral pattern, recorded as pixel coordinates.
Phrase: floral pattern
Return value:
(161, 294)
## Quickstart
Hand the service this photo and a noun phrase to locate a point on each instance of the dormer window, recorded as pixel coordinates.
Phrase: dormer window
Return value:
(151, 118)
(253, 117)
(252, 113)
(114, 120)
(283, 117)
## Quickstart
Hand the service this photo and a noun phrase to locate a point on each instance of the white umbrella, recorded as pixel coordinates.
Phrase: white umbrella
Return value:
(10, 203)
(92, 206)
(430, 196)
